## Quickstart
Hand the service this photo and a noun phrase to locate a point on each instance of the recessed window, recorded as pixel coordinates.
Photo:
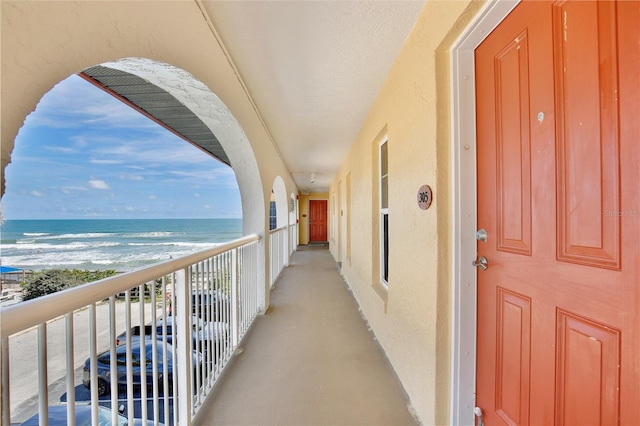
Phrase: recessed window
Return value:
(348, 216)
(384, 214)
(273, 216)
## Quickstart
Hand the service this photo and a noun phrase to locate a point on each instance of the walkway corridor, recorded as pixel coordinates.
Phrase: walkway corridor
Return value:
(310, 360)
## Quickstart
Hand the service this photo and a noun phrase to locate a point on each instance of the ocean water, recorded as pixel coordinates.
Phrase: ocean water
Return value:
(119, 244)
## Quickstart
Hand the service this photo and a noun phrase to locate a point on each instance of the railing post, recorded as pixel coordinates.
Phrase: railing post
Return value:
(113, 366)
(235, 323)
(271, 268)
(130, 404)
(183, 358)
(4, 383)
(285, 246)
(279, 258)
(143, 354)
(71, 394)
(93, 353)
(262, 275)
(43, 382)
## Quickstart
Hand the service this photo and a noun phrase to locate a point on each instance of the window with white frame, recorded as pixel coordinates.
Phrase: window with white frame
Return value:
(384, 213)
(273, 216)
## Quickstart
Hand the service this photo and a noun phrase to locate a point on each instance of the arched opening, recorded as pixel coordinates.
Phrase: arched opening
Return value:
(148, 195)
(211, 112)
(215, 115)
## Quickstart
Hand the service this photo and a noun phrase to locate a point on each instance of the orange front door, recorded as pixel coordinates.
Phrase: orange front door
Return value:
(558, 113)
(317, 220)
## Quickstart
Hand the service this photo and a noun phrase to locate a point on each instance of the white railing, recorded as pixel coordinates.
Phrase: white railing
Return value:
(293, 238)
(278, 252)
(197, 310)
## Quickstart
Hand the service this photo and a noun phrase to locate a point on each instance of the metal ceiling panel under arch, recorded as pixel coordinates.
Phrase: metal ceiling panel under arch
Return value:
(158, 105)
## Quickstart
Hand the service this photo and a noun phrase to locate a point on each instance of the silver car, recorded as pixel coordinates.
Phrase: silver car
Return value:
(104, 366)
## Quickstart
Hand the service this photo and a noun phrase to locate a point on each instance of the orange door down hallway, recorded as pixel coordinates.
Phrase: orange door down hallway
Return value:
(317, 220)
(558, 107)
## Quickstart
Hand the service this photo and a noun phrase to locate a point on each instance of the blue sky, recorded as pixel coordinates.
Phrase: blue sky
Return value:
(84, 154)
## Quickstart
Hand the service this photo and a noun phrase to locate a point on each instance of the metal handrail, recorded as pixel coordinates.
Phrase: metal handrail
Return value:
(282, 228)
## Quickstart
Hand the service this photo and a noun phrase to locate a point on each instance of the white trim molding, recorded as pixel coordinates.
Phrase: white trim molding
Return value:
(464, 207)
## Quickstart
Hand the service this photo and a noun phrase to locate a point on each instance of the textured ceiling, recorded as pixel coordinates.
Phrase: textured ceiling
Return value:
(313, 68)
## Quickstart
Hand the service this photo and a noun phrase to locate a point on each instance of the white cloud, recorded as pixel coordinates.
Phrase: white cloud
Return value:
(115, 147)
(129, 209)
(63, 149)
(153, 197)
(79, 141)
(157, 148)
(37, 193)
(129, 176)
(78, 99)
(222, 176)
(99, 184)
(68, 189)
(196, 194)
(95, 161)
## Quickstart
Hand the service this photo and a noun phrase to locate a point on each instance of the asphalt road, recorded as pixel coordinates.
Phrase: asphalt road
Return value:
(23, 356)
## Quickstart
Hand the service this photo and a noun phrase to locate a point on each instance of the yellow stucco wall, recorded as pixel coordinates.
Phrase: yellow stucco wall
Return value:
(303, 225)
(412, 318)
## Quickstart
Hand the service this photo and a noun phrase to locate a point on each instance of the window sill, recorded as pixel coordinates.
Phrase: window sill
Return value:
(382, 292)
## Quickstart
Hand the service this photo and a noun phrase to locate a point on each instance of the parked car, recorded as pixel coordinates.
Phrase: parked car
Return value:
(148, 329)
(58, 417)
(211, 304)
(196, 323)
(214, 330)
(202, 331)
(135, 334)
(104, 365)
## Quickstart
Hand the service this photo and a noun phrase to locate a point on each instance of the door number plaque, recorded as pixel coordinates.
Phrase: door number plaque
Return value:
(425, 196)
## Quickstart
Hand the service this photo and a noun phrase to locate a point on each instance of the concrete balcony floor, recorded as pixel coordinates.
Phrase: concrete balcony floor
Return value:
(310, 360)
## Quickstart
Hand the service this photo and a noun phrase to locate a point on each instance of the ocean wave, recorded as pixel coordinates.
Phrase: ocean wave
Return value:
(24, 242)
(23, 245)
(174, 244)
(114, 245)
(74, 236)
(43, 262)
(156, 234)
(94, 258)
(104, 262)
(58, 260)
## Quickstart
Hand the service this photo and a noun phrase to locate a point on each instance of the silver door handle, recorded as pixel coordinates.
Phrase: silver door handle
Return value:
(481, 263)
(478, 413)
